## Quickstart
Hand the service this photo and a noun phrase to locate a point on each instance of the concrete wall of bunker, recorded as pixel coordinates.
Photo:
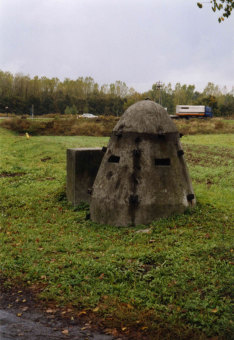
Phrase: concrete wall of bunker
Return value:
(82, 168)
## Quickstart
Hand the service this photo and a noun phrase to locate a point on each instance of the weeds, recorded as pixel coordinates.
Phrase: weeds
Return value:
(102, 126)
(202, 126)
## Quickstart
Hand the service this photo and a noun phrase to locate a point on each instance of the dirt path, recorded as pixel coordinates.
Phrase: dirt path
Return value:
(22, 319)
(34, 326)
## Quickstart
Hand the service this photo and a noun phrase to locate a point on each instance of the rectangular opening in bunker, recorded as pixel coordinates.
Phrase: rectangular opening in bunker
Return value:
(114, 159)
(162, 161)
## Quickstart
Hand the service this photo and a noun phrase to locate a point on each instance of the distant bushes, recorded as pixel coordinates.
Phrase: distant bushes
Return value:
(210, 126)
(101, 126)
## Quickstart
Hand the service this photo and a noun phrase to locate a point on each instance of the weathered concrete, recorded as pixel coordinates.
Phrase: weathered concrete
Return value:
(143, 175)
(82, 168)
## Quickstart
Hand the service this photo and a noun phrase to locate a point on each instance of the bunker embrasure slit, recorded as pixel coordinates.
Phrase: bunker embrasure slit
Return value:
(162, 161)
(137, 140)
(134, 200)
(190, 197)
(136, 153)
(118, 134)
(180, 153)
(109, 175)
(114, 159)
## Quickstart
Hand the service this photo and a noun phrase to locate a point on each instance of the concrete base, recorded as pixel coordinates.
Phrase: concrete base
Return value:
(82, 168)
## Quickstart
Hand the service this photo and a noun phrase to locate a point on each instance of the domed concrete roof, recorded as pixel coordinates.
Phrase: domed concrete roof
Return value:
(146, 116)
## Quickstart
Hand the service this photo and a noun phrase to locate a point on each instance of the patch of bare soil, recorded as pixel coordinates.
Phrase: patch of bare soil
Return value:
(23, 317)
(11, 174)
(204, 156)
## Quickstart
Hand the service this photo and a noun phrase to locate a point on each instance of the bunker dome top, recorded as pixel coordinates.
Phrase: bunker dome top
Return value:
(145, 116)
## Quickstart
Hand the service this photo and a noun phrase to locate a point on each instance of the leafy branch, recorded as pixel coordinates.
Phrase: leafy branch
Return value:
(225, 5)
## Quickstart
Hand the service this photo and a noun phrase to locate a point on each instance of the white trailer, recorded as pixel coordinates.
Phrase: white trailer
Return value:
(193, 111)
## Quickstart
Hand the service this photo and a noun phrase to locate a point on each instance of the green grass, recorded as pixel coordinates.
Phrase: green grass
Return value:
(229, 121)
(208, 140)
(172, 283)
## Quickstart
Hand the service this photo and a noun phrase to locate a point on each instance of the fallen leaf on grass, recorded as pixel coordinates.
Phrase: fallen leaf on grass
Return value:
(130, 306)
(144, 231)
(108, 331)
(215, 310)
(49, 310)
(24, 309)
(83, 312)
(96, 309)
(19, 314)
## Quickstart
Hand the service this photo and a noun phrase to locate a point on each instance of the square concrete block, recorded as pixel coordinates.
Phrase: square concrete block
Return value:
(82, 168)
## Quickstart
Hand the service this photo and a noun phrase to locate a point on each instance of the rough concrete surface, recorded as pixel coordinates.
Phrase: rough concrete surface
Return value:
(82, 168)
(143, 175)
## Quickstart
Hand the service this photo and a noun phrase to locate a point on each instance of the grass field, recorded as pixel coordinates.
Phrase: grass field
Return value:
(171, 283)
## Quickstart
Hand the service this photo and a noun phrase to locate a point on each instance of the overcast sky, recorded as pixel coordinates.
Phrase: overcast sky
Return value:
(136, 41)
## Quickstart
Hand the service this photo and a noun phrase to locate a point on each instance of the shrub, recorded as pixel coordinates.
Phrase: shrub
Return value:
(103, 126)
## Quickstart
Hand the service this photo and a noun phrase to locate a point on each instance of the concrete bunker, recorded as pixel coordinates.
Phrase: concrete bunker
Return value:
(143, 175)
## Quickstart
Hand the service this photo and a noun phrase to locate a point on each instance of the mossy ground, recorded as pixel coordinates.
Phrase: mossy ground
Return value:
(172, 282)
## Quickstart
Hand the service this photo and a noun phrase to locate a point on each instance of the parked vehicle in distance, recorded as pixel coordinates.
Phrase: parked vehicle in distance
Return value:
(189, 111)
(88, 115)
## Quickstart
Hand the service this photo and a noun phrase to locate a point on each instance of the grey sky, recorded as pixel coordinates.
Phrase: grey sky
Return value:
(136, 41)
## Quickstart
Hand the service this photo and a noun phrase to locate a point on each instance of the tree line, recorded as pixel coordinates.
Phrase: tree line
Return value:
(19, 93)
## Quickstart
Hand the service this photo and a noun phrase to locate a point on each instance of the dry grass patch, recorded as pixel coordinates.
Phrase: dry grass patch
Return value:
(201, 126)
(103, 126)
